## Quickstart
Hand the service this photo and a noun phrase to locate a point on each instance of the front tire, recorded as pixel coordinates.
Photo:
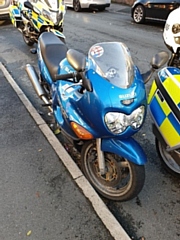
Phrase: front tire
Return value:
(27, 40)
(167, 159)
(174, 60)
(76, 6)
(139, 14)
(123, 179)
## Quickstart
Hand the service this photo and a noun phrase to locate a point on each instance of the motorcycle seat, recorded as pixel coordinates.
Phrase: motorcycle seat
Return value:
(53, 51)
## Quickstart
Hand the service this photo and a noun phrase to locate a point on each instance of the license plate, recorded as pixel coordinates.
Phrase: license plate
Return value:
(2, 2)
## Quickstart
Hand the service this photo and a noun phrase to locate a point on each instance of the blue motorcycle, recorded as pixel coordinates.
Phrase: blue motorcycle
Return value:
(99, 101)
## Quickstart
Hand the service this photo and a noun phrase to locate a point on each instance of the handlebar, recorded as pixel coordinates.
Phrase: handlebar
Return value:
(65, 76)
(78, 75)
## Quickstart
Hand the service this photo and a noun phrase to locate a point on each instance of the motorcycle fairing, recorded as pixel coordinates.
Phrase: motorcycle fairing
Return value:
(98, 103)
(43, 69)
(15, 15)
(61, 117)
(168, 35)
(127, 148)
(39, 21)
(65, 100)
(164, 105)
(51, 8)
(55, 5)
(105, 96)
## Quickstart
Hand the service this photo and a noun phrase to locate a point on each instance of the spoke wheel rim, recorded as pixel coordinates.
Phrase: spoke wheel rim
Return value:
(117, 180)
(138, 14)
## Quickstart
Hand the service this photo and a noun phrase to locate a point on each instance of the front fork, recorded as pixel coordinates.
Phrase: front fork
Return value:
(101, 161)
(126, 148)
(174, 60)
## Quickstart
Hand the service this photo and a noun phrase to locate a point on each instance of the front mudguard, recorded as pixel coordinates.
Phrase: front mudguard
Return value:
(127, 148)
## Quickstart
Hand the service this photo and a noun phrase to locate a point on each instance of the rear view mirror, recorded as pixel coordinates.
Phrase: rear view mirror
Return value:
(159, 60)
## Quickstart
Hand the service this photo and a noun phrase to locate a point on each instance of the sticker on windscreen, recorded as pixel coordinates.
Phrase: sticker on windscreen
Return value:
(97, 51)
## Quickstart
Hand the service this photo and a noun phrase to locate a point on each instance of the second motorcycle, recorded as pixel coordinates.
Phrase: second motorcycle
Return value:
(34, 17)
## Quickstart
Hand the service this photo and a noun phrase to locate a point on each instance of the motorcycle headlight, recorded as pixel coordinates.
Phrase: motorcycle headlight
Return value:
(176, 28)
(118, 122)
(177, 40)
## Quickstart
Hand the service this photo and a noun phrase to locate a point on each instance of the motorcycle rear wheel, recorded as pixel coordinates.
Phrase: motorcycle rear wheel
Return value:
(28, 41)
(123, 179)
(167, 159)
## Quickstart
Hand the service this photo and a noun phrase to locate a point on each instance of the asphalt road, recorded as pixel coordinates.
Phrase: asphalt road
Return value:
(39, 199)
(154, 214)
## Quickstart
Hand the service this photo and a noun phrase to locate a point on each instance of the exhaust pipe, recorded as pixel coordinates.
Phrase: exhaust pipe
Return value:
(33, 76)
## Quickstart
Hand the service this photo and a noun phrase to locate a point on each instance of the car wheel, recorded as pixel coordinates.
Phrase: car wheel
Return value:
(76, 6)
(101, 9)
(139, 14)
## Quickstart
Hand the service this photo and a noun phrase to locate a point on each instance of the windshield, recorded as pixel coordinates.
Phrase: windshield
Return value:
(112, 61)
(53, 4)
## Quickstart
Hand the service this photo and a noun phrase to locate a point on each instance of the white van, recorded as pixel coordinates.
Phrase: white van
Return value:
(4, 9)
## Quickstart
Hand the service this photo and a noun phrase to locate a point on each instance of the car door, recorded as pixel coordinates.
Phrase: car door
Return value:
(68, 2)
(162, 8)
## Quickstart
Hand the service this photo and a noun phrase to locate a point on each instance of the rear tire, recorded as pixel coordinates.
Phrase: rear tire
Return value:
(101, 9)
(167, 160)
(76, 6)
(123, 179)
(139, 14)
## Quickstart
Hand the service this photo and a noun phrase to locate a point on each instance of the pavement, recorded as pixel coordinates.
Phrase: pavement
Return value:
(44, 195)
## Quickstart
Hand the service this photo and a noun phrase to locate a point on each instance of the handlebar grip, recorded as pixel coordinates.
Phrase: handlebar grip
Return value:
(64, 76)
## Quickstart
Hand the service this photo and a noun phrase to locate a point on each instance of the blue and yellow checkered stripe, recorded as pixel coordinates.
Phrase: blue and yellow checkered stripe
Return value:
(166, 120)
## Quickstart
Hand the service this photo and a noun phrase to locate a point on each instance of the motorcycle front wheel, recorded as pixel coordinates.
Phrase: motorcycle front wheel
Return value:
(123, 179)
(167, 159)
(27, 40)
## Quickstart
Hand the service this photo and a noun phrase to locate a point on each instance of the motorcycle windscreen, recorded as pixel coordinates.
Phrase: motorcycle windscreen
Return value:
(53, 4)
(112, 61)
(55, 12)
